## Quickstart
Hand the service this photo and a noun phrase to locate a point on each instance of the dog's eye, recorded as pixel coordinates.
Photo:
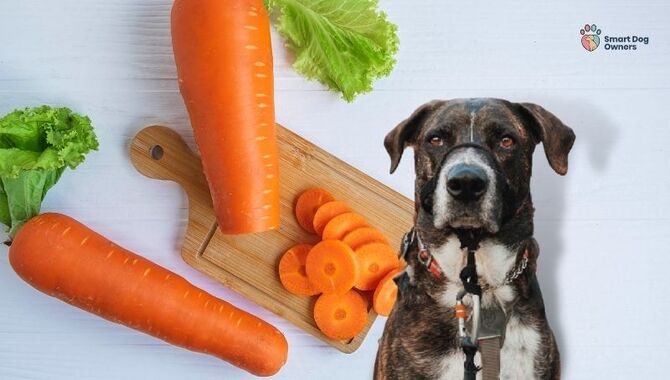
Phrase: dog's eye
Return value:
(436, 141)
(507, 142)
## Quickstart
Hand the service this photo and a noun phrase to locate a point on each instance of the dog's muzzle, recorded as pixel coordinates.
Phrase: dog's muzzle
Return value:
(465, 191)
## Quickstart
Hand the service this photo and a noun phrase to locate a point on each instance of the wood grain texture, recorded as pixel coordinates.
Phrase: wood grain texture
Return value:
(248, 263)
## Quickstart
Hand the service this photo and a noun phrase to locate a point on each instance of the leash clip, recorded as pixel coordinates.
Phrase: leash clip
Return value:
(468, 339)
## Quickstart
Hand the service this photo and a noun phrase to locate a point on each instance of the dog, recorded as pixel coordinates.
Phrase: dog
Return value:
(473, 160)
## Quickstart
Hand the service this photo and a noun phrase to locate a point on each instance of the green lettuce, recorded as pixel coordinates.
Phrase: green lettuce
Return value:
(36, 145)
(344, 44)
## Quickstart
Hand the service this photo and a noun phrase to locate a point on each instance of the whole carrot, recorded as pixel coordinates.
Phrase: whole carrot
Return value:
(65, 259)
(224, 64)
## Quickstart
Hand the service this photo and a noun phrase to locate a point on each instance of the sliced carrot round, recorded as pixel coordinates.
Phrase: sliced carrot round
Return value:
(375, 260)
(341, 317)
(328, 211)
(342, 224)
(386, 293)
(364, 235)
(292, 273)
(308, 202)
(331, 267)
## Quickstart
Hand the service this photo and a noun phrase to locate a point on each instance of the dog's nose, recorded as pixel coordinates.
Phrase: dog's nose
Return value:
(467, 182)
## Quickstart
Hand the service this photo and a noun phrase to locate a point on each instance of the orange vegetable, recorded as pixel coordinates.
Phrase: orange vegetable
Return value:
(375, 260)
(292, 271)
(224, 64)
(327, 212)
(342, 224)
(65, 259)
(331, 267)
(386, 293)
(362, 236)
(308, 202)
(341, 316)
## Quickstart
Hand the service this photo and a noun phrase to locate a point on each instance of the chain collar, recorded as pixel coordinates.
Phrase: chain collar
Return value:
(515, 273)
(426, 259)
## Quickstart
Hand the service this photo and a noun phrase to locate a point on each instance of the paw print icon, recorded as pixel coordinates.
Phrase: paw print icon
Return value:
(590, 37)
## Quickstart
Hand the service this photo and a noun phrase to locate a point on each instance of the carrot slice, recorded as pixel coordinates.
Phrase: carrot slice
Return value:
(386, 293)
(327, 212)
(331, 267)
(342, 225)
(374, 261)
(341, 317)
(364, 235)
(308, 202)
(292, 272)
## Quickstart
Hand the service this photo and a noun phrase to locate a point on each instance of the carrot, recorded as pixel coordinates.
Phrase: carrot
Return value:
(308, 202)
(374, 261)
(331, 267)
(342, 225)
(292, 271)
(327, 212)
(341, 316)
(65, 259)
(224, 64)
(386, 293)
(362, 236)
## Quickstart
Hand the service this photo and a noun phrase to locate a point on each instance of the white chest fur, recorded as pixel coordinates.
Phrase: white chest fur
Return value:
(494, 261)
(516, 357)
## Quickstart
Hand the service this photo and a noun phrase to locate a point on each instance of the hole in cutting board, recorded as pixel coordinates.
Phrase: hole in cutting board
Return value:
(156, 152)
(208, 238)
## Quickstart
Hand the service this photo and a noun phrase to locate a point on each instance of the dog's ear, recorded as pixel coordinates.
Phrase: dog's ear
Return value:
(556, 137)
(404, 134)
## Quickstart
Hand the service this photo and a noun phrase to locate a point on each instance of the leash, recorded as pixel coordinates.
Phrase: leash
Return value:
(470, 280)
(486, 333)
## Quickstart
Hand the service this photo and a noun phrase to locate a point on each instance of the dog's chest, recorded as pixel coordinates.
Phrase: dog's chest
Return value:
(517, 357)
(522, 342)
(494, 262)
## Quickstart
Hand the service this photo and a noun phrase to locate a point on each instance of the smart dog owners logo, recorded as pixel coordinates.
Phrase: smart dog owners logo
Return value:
(591, 40)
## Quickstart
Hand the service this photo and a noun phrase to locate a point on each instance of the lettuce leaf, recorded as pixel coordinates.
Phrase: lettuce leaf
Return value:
(344, 44)
(36, 145)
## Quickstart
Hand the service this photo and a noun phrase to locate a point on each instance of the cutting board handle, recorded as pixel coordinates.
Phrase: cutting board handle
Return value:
(161, 153)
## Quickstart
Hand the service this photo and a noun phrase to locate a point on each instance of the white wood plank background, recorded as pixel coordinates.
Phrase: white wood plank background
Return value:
(604, 229)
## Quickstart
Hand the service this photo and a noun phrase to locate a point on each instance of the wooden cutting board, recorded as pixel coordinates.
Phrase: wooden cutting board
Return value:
(248, 263)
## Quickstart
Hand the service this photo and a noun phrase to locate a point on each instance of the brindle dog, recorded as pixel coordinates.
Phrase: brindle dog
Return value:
(473, 160)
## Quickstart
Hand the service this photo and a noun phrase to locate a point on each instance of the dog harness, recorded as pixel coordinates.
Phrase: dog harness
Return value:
(487, 338)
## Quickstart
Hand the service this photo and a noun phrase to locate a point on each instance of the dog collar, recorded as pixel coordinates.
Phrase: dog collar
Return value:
(424, 256)
(428, 261)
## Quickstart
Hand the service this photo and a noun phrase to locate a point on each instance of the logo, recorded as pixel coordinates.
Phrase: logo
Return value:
(590, 37)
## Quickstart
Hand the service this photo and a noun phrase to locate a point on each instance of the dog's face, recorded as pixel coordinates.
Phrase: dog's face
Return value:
(473, 157)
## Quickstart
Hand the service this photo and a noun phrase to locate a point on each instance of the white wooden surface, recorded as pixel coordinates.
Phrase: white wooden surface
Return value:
(604, 229)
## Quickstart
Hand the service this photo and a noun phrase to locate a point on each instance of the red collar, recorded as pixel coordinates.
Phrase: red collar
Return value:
(430, 263)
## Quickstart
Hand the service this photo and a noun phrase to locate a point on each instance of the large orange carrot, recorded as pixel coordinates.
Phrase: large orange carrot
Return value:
(224, 63)
(65, 259)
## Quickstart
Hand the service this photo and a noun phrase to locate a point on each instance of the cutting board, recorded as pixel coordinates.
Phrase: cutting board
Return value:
(248, 263)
